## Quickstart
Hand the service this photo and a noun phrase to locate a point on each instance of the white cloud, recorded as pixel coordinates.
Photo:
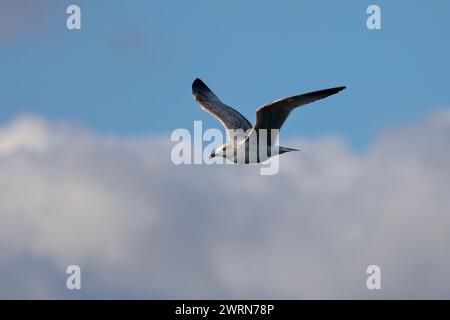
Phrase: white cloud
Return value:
(140, 226)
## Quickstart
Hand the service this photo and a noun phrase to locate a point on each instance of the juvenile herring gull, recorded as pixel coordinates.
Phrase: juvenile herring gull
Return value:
(247, 143)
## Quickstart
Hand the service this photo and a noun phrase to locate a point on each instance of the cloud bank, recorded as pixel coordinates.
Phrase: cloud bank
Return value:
(141, 227)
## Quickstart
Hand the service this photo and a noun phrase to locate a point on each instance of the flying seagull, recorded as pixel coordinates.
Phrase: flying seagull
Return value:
(247, 143)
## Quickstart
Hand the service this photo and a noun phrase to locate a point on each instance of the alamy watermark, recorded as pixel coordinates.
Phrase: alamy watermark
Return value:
(73, 281)
(374, 280)
(373, 22)
(73, 21)
(251, 147)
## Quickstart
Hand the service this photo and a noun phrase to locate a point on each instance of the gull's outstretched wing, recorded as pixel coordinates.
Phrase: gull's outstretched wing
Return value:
(230, 118)
(274, 114)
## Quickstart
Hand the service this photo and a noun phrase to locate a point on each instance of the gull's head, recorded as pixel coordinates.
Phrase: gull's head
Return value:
(219, 152)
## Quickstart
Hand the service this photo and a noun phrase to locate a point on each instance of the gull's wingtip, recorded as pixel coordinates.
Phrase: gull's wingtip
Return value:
(335, 90)
(198, 85)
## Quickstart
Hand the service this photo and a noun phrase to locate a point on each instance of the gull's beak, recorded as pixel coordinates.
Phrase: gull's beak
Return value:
(212, 155)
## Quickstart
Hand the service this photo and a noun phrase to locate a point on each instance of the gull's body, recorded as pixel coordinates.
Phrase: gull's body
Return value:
(247, 143)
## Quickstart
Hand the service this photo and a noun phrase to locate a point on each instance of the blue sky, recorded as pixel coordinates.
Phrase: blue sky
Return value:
(129, 70)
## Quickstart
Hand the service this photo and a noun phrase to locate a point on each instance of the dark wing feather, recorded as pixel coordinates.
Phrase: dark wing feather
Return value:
(273, 115)
(231, 119)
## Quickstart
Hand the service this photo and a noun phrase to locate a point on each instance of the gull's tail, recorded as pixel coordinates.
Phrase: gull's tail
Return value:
(284, 149)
